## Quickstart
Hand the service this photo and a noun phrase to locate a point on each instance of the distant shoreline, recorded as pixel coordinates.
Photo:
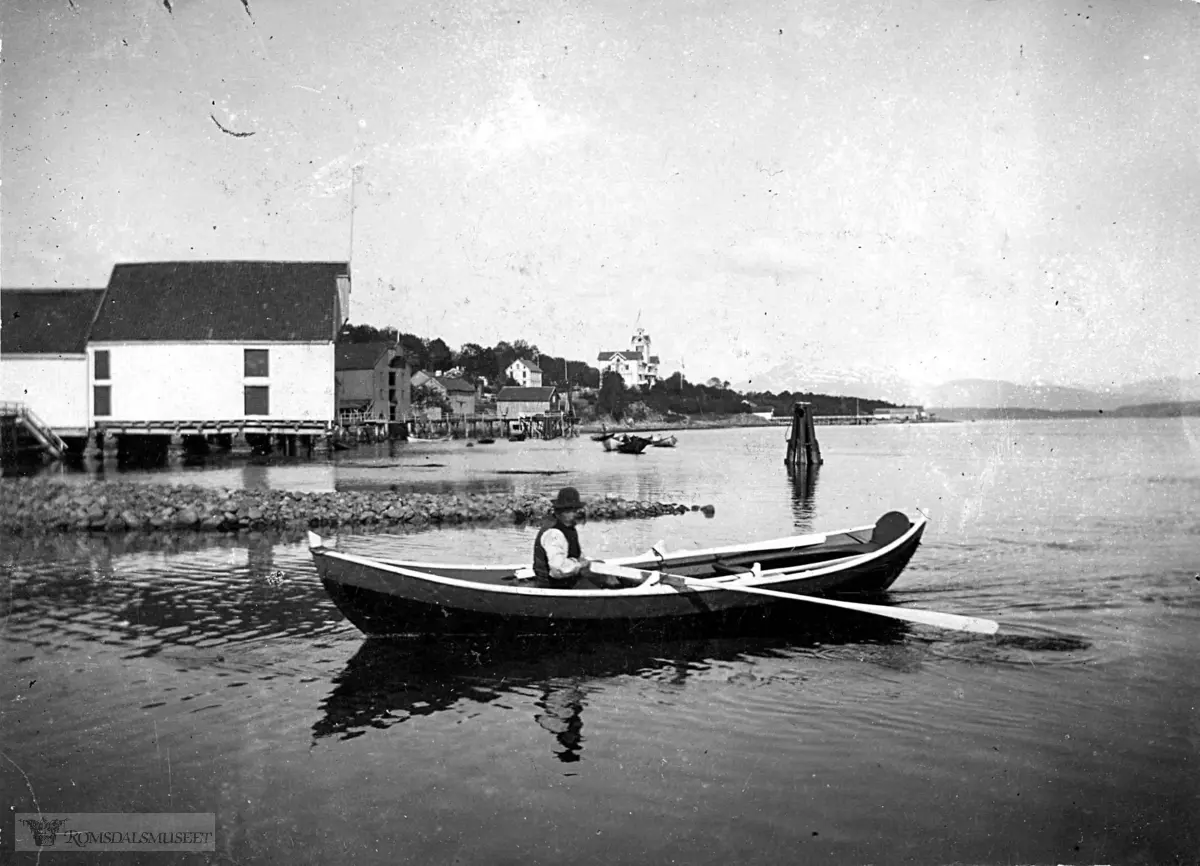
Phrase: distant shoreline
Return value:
(1144, 410)
(593, 427)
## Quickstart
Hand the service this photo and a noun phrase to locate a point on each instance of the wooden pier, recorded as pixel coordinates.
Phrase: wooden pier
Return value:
(552, 425)
(854, 420)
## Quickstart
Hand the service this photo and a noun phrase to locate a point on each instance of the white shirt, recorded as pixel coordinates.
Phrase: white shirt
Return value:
(555, 545)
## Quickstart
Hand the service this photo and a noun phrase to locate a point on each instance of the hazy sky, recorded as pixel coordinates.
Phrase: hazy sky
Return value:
(1005, 189)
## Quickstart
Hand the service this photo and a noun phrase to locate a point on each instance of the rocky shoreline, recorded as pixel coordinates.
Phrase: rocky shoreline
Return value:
(31, 506)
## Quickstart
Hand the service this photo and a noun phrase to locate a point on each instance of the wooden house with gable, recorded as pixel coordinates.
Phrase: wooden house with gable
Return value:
(44, 365)
(525, 373)
(218, 347)
(636, 366)
(516, 402)
(373, 384)
(458, 394)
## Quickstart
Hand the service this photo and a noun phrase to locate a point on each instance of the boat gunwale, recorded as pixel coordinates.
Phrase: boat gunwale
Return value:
(763, 579)
(638, 557)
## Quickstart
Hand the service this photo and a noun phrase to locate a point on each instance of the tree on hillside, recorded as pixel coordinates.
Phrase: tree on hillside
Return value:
(524, 350)
(438, 354)
(611, 399)
(477, 362)
(505, 355)
(366, 334)
(414, 350)
(426, 396)
(584, 374)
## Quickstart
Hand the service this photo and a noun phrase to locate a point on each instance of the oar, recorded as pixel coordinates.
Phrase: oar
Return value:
(951, 621)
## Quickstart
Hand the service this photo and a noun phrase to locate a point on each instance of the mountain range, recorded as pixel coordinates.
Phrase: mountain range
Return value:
(880, 384)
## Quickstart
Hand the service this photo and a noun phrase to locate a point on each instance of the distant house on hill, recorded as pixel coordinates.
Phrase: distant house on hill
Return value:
(525, 373)
(43, 354)
(518, 402)
(245, 343)
(637, 367)
(754, 409)
(373, 383)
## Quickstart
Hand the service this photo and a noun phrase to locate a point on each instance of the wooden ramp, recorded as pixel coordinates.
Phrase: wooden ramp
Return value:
(23, 434)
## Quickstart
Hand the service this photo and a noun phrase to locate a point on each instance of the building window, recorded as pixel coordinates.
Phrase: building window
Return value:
(102, 364)
(256, 364)
(257, 400)
(101, 399)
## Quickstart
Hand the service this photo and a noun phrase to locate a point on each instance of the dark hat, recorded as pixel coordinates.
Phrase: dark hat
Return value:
(568, 500)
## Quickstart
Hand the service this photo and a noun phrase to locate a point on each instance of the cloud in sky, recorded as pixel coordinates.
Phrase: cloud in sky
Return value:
(995, 189)
(515, 123)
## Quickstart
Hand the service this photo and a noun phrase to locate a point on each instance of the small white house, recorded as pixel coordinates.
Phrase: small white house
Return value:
(43, 354)
(197, 345)
(525, 373)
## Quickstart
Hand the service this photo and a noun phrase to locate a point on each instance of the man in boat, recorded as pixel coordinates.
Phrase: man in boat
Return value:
(558, 560)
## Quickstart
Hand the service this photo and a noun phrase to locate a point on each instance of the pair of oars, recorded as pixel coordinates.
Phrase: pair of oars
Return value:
(951, 621)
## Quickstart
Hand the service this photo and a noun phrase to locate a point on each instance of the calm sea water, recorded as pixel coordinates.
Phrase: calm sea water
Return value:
(188, 673)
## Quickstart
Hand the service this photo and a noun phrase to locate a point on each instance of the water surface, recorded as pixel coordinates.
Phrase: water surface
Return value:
(197, 673)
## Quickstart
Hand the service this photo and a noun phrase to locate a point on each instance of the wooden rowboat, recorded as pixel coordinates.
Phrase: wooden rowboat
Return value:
(720, 586)
(632, 444)
(664, 441)
(625, 443)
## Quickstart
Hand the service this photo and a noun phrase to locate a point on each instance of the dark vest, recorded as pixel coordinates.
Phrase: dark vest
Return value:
(541, 567)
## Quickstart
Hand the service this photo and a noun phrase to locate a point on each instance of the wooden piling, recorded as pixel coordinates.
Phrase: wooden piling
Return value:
(802, 448)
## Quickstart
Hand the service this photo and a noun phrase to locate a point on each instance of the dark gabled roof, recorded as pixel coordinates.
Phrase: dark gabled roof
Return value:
(513, 394)
(533, 367)
(359, 356)
(452, 384)
(214, 300)
(47, 321)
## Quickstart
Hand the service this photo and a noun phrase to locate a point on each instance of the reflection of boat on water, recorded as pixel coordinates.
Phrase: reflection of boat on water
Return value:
(391, 596)
(388, 682)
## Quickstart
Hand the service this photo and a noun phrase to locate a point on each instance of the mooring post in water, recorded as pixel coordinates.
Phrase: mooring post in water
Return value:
(802, 449)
